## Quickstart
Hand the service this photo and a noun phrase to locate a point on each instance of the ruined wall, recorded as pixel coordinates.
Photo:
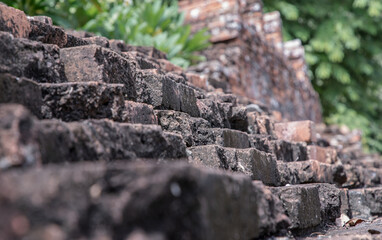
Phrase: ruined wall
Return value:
(103, 140)
(249, 58)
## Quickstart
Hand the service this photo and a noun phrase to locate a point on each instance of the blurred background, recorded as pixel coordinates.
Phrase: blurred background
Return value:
(342, 39)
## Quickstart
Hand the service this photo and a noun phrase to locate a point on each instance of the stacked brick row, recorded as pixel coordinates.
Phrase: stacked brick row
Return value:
(103, 140)
(248, 56)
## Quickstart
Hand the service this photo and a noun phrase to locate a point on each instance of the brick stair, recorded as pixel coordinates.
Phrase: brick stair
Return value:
(103, 140)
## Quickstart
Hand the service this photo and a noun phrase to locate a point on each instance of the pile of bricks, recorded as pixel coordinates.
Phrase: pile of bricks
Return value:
(249, 58)
(103, 140)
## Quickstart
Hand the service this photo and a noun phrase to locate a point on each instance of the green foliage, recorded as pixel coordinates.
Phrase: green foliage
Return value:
(137, 22)
(343, 47)
(152, 23)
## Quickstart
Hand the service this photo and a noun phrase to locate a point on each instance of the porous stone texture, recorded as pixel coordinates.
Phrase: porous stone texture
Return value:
(14, 21)
(18, 137)
(301, 204)
(103, 140)
(25, 58)
(178, 201)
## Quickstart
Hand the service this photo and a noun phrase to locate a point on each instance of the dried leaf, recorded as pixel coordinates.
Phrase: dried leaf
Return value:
(354, 222)
(373, 231)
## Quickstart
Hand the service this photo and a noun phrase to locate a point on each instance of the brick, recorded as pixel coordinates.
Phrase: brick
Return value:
(181, 123)
(231, 138)
(321, 154)
(214, 156)
(73, 41)
(330, 202)
(310, 171)
(22, 91)
(212, 112)
(66, 101)
(197, 80)
(358, 204)
(98, 40)
(301, 204)
(299, 131)
(106, 140)
(164, 90)
(74, 101)
(14, 21)
(138, 113)
(94, 63)
(283, 150)
(374, 200)
(18, 137)
(167, 66)
(190, 193)
(259, 165)
(34, 60)
(264, 167)
(47, 33)
(259, 124)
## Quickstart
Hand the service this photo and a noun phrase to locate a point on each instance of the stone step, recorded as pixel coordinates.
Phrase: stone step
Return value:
(138, 113)
(218, 157)
(358, 176)
(34, 60)
(94, 63)
(113, 200)
(221, 136)
(299, 131)
(257, 164)
(311, 171)
(263, 166)
(283, 150)
(73, 101)
(167, 91)
(181, 123)
(199, 131)
(309, 205)
(42, 30)
(322, 154)
(365, 203)
(25, 140)
(14, 21)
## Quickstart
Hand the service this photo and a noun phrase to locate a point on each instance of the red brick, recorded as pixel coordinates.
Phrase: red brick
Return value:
(299, 131)
(168, 66)
(321, 154)
(197, 80)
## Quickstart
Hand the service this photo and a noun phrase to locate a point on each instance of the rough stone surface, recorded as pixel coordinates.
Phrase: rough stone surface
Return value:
(75, 101)
(106, 140)
(34, 60)
(94, 63)
(14, 21)
(102, 100)
(138, 113)
(330, 201)
(47, 33)
(21, 91)
(222, 137)
(358, 204)
(374, 200)
(96, 199)
(283, 150)
(310, 172)
(324, 155)
(18, 135)
(300, 131)
(181, 123)
(302, 205)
